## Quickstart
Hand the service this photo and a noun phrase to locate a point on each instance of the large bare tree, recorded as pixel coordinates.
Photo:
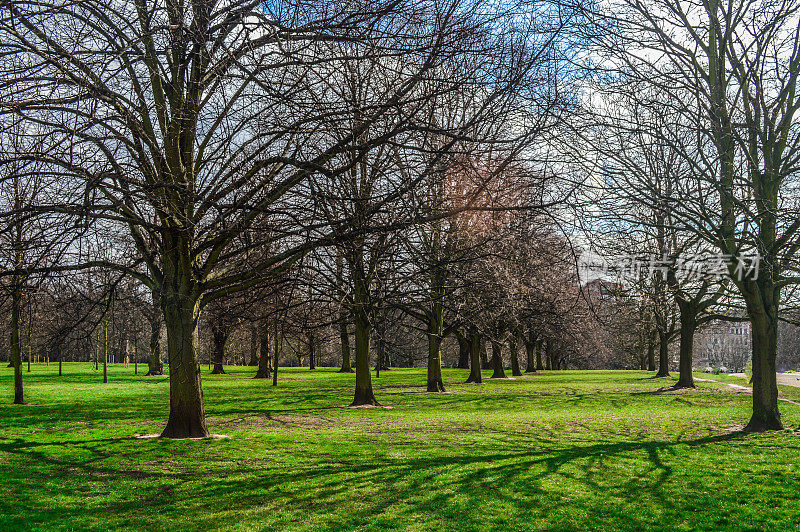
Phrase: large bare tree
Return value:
(728, 72)
(186, 124)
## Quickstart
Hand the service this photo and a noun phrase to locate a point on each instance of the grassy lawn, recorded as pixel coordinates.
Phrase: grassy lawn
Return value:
(558, 451)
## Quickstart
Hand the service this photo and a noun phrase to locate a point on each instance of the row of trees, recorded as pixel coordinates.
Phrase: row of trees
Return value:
(518, 279)
(206, 149)
(417, 162)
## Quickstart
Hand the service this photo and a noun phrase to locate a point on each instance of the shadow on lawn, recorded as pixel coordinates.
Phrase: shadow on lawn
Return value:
(98, 450)
(663, 390)
(520, 481)
(525, 480)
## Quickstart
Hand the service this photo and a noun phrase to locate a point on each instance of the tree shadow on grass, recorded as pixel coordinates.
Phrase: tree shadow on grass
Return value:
(524, 479)
(650, 378)
(519, 480)
(663, 390)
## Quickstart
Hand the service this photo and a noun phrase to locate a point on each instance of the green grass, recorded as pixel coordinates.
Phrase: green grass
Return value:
(557, 451)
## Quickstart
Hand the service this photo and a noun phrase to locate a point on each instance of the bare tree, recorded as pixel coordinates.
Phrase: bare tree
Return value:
(186, 125)
(32, 237)
(730, 71)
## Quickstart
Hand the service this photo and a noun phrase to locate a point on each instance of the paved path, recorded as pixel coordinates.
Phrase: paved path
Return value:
(795, 382)
(789, 379)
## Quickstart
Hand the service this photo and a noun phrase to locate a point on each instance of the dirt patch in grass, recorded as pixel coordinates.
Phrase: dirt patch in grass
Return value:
(157, 435)
(367, 406)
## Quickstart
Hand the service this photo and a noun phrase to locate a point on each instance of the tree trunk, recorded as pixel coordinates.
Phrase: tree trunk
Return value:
(530, 354)
(344, 339)
(435, 382)
(154, 365)
(762, 306)
(254, 344)
(105, 352)
(512, 346)
(276, 341)
(485, 363)
(263, 360)
(220, 338)
(651, 353)
(312, 353)
(435, 333)
(363, 394)
(548, 355)
(378, 365)
(642, 354)
(663, 355)
(187, 417)
(16, 347)
(688, 316)
(475, 358)
(344, 335)
(382, 363)
(497, 360)
(463, 351)
(539, 365)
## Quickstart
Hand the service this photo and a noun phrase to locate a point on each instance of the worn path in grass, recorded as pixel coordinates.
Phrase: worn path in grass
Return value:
(744, 384)
(789, 379)
(551, 451)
